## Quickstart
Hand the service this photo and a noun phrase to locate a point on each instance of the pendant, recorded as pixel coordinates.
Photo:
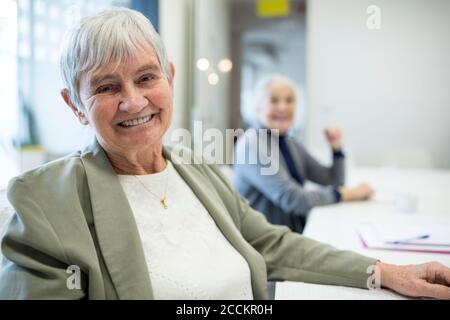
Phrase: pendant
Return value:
(163, 203)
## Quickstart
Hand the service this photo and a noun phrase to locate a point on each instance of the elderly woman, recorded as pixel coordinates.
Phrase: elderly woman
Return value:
(131, 221)
(281, 196)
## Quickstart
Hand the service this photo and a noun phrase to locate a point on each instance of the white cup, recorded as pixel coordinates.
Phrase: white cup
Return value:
(406, 202)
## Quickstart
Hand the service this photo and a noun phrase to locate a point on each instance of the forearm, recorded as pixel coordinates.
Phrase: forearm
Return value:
(290, 256)
(296, 258)
(300, 201)
(282, 191)
(338, 168)
(333, 175)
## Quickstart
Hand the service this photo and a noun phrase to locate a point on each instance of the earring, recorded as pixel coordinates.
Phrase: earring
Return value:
(82, 117)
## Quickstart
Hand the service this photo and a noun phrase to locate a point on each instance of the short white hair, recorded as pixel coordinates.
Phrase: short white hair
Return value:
(112, 35)
(252, 110)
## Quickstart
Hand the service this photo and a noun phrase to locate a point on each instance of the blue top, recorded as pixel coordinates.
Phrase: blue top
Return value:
(289, 161)
(284, 149)
(281, 196)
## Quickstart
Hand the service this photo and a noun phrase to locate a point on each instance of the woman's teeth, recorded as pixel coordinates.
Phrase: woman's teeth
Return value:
(136, 122)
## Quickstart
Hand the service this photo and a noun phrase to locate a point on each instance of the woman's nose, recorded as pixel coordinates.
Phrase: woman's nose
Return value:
(133, 100)
(282, 107)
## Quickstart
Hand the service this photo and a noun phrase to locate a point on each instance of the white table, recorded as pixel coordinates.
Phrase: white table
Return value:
(336, 224)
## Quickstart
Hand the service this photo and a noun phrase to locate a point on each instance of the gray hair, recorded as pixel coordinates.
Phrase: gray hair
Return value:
(112, 35)
(251, 112)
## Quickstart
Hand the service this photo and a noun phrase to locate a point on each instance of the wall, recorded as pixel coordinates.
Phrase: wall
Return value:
(175, 18)
(212, 29)
(387, 88)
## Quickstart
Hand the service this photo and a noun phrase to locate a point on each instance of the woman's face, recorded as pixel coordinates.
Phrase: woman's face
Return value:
(278, 107)
(130, 107)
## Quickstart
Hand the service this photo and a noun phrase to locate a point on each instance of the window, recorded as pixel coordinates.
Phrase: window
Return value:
(8, 90)
(35, 124)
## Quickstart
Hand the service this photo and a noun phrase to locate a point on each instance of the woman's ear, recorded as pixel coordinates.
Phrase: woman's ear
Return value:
(172, 74)
(80, 115)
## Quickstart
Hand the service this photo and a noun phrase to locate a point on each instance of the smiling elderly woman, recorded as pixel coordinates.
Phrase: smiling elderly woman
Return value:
(281, 197)
(135, 222)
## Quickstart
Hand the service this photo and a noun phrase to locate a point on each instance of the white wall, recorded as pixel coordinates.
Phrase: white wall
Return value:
(212, 32)
(175, 23)
(387, 88)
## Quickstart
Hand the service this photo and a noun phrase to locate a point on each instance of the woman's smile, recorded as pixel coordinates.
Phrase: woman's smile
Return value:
(281, 117)
(137, 122)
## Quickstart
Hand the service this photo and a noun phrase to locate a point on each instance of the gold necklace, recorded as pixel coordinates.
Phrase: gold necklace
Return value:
(163, 200)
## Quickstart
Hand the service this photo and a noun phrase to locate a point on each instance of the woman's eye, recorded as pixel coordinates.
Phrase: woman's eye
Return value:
(146, 78)
(104, 89)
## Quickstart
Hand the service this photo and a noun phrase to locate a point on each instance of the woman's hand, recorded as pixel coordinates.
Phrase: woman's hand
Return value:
(423, 280)
(361, 192)
(334, 137)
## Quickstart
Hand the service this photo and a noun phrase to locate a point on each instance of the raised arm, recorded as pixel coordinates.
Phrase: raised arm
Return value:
(279, 186)
(333, 175)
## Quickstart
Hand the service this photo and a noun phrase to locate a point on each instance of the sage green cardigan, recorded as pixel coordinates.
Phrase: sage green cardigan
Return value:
(73, 211)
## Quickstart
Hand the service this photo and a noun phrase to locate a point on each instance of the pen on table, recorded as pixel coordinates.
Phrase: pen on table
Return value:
(421, 237)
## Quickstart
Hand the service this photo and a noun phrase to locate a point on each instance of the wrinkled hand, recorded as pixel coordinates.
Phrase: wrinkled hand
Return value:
(361, 192)
(424, 280)
(334, 137)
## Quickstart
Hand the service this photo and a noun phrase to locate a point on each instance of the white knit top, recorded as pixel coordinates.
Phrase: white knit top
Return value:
(187, 255)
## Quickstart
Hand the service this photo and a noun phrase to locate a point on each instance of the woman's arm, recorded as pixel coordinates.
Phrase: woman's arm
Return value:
(425, 280)
(293, 257)
(34, 265)
(323, 175)
(334, 175)
(290, 256)
(280, 188)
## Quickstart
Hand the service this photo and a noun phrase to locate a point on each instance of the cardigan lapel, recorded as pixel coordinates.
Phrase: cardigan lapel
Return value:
(118, 234)
(116, 228)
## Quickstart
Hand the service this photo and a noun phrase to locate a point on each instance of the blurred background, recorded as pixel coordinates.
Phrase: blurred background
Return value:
(384, 81)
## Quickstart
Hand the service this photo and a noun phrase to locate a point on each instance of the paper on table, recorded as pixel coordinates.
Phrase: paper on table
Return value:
(381, 236)
(289, 290)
